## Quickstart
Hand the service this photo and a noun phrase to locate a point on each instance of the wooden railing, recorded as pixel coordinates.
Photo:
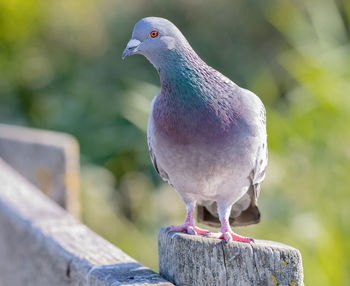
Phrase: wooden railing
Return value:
(42, 242)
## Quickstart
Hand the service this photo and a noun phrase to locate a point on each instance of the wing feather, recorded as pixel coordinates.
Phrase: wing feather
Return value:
(152, 154)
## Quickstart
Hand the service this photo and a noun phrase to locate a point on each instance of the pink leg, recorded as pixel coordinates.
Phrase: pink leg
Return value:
(226, 231)
(189, 224)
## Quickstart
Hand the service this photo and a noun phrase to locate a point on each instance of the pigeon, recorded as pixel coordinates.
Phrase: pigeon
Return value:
(206, 135)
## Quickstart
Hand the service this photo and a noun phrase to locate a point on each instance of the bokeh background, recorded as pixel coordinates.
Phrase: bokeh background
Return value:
(61, 69)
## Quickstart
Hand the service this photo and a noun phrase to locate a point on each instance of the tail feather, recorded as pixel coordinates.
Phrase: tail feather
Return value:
(250, 216)
(244, 212)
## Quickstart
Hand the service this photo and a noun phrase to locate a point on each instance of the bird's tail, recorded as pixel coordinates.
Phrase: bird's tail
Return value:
(244, 212)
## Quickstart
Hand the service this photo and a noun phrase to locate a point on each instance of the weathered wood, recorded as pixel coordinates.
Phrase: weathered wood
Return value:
(194, 260)
(50, 160)
(41, 244)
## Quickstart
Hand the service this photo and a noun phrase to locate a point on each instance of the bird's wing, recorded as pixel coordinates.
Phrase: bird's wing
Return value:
(257, 175)
(245, 211)
(156, 166)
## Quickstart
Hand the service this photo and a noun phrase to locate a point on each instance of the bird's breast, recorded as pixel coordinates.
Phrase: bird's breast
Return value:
(200, 165)
(198, 122)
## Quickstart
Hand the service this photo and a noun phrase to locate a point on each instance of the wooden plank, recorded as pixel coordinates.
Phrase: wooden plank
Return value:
(41, 244)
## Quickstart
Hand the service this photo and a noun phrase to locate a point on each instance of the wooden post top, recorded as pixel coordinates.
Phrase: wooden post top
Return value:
(195, 260)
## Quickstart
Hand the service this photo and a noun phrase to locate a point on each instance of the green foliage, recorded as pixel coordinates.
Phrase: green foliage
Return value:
(61, 69)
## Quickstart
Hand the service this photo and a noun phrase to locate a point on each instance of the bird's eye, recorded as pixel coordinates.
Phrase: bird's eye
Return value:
(153, 34)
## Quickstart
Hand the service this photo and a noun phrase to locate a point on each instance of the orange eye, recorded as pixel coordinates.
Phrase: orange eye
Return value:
(153, 34)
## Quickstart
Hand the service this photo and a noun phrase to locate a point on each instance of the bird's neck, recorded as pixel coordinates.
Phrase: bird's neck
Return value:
(195, 102)
(184, 109)
(181, 74)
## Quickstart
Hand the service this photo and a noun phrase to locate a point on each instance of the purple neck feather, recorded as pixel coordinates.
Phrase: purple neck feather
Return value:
(196, 103)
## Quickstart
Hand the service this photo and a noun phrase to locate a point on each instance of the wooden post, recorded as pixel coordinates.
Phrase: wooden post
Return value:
(49, 160)
(194, 260)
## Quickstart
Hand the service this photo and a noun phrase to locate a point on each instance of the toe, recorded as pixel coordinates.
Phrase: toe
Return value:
(227, 237)
(200, 231)
(191, 230)
(176, 228)
(217, 235)
(239, 238)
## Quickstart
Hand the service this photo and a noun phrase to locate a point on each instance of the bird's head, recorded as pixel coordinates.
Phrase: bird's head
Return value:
(154, 38)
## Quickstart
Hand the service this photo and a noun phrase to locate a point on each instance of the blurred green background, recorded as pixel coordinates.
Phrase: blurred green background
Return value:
(61, 69)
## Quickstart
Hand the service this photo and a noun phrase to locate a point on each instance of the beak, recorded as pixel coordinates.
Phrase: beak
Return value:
(131, 48)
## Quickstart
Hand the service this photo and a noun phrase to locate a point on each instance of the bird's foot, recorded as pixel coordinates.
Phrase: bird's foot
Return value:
(230, 236)
(187, 228)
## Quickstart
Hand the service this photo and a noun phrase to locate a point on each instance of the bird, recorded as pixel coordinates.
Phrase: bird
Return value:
(206, 135)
